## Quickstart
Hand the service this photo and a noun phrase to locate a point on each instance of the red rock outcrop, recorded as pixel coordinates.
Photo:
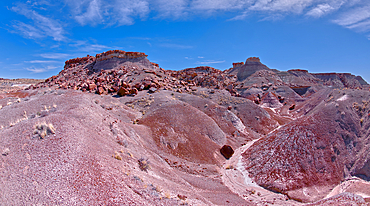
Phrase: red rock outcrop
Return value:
(253, 59)
(238, 64)
(119, 54)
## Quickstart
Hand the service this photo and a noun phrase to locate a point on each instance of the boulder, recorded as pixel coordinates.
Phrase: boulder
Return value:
(122, 92)
(227, 151)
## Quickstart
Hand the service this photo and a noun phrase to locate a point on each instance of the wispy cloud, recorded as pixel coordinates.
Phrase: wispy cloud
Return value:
(357, 19)
(92, 15)
(40, 70)
(320, 10)
(111, 12)
(211, 62)
(40, 61)
(86, 46)
(55, 55)
(171, 8)
(125, 10)
(352, 14)
(94, 48)
(40, 25)
(175, 46)
(220, 4)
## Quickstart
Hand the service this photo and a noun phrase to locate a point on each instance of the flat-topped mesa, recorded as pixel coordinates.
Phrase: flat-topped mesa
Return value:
(341, 80)
(238, 64)
(298, 70)
(119, 54)
(253, 59)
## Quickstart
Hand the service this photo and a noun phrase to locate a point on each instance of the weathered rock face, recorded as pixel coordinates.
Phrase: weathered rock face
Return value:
(308, 157)
(341, 80)
(251, 66)
(238, 64)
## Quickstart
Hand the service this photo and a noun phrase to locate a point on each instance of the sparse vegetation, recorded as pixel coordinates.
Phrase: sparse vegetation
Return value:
(158, 189)
(117, 156)
(42, 130)
(181, 197)
(144, 164)
(129, 154)
(167, 195)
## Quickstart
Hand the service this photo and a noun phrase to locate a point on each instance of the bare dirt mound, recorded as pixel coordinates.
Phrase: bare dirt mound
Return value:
(309, 156)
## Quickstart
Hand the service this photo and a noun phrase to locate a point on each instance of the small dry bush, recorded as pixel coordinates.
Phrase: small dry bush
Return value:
(144, 164)
(42, 130)
(117, 156)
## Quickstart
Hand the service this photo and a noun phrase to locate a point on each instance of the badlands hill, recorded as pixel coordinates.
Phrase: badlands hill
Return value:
(116, 129)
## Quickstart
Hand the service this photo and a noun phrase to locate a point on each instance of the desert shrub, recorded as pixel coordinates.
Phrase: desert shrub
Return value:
(43, 129)
(144, 164)
(117, 156)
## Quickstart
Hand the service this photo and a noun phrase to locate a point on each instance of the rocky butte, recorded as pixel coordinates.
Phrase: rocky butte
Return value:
(117, 129)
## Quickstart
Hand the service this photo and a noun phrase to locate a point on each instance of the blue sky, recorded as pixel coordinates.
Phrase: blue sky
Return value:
(38, 36)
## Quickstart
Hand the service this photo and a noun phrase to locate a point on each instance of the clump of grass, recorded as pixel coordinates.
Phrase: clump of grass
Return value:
(158, 189)
(130, 154)
(167, 195)
(43, 129)
(144, 164)
(117, 156)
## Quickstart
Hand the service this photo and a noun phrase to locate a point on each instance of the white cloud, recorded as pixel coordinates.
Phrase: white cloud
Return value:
(363, 26)
(220, 4)
(354, 16)
(242, 16)
(93, 48)
(41, 61)
(55, 55)
(211, 62)
(92, 15)
(125, 10)
(320, 10)
(42, 26)
(175, 46)
(112, 12)
(28, 31)
(171, 8)
(357, 19)
(291, 6)
(40, 70)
